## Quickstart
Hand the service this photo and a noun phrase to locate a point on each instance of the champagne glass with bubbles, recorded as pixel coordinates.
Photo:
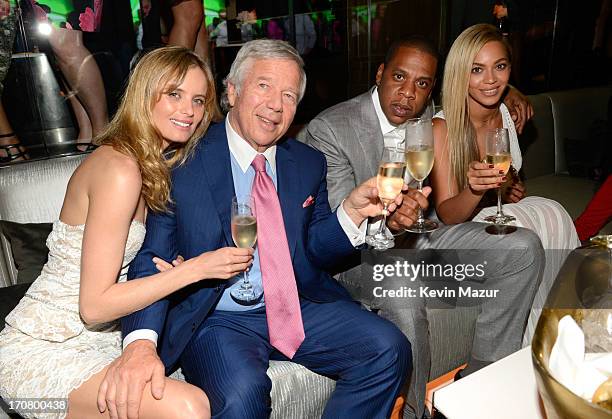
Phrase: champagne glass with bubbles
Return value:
(244, 233)
(389, 182)
(498, 154)
(419, 162)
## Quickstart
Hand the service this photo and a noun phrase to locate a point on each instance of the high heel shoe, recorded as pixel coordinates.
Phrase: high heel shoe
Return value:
(84, 147)
(9, 151)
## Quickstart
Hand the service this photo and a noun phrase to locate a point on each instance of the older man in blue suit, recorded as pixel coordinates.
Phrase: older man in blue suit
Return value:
(222, 346)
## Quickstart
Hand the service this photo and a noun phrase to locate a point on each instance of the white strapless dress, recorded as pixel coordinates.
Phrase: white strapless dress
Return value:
(46, 350)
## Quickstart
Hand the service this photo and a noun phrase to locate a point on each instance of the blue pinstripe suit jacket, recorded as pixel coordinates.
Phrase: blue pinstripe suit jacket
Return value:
(202, 190)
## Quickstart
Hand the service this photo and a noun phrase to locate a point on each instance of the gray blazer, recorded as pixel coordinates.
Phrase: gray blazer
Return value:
(350, 137)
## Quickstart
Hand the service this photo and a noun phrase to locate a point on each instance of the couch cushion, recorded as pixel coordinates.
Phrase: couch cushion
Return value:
(538, 140)
(32, 192)
(574, 111)
(298, 392)
(28, 247)
(570, 191)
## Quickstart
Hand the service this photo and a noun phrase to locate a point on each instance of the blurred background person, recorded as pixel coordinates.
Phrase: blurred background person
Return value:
(220, 32)
(188, 27)
(249, 28)
(10, 150)
(305, 34)
(210, 28)
(186, 20)
(82, 76)
(274, 30)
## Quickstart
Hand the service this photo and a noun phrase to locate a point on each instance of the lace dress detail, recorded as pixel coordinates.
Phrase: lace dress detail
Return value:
(45, 349)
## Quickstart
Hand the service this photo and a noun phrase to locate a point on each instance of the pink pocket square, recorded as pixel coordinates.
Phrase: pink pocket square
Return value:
(309, 201)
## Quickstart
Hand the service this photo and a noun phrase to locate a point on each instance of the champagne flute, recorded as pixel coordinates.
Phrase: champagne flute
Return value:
(244, 233)
(419, 161)
(498, 154)
(389, 181)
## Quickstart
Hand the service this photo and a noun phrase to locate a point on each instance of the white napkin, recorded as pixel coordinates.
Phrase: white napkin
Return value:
(579, 372)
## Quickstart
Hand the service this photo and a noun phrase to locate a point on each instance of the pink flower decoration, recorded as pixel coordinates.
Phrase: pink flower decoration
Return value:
(87, 20)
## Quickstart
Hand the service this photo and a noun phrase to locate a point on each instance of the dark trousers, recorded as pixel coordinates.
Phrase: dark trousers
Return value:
(367, 355)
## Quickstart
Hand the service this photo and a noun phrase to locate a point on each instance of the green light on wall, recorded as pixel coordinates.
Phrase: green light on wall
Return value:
(212, 9)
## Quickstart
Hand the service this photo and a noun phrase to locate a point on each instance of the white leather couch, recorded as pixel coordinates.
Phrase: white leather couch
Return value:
(33, 192)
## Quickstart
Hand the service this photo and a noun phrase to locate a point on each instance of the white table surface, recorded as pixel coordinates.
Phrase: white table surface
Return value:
(503, 390)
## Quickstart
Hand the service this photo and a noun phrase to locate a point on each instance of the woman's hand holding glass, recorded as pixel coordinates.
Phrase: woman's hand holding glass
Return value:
(498, 155)
(244, 234)
(484, 176)
(223, 263)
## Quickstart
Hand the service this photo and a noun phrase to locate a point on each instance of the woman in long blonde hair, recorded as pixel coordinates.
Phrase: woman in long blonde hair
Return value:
(59, 341)
(476, 75)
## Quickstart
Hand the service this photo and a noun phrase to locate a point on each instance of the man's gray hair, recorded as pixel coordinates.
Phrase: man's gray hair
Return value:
(260, 49)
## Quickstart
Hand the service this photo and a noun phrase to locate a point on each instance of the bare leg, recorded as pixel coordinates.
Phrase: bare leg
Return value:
(85, 129)
(188, 22)
(181, 400)
(201, 46)
(82, 73)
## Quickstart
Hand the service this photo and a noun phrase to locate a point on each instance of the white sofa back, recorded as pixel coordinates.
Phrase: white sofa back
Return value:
(31, 192)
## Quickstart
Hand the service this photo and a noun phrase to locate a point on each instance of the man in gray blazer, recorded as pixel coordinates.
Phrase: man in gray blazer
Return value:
(352, 135)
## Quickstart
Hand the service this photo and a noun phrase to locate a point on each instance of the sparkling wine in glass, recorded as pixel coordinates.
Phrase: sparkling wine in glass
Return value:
(389, 182)
(419, 162)
(244, 233)
(498, 154)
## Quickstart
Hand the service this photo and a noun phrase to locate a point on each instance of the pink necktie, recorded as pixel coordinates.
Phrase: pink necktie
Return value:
(283, 312)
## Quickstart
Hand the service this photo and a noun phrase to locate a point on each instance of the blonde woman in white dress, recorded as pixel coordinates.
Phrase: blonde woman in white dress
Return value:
(60, 339)
(476, 75)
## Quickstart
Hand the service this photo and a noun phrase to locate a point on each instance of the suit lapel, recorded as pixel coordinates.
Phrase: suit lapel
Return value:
(369, 133)
(288, 186)
(215, 158)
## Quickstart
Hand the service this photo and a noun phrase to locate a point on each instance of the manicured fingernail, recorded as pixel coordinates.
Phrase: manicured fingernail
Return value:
(501, 172)
(504, 178)
(491, 166)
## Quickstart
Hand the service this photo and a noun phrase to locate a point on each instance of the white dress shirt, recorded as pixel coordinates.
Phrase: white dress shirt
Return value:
(393, 135)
